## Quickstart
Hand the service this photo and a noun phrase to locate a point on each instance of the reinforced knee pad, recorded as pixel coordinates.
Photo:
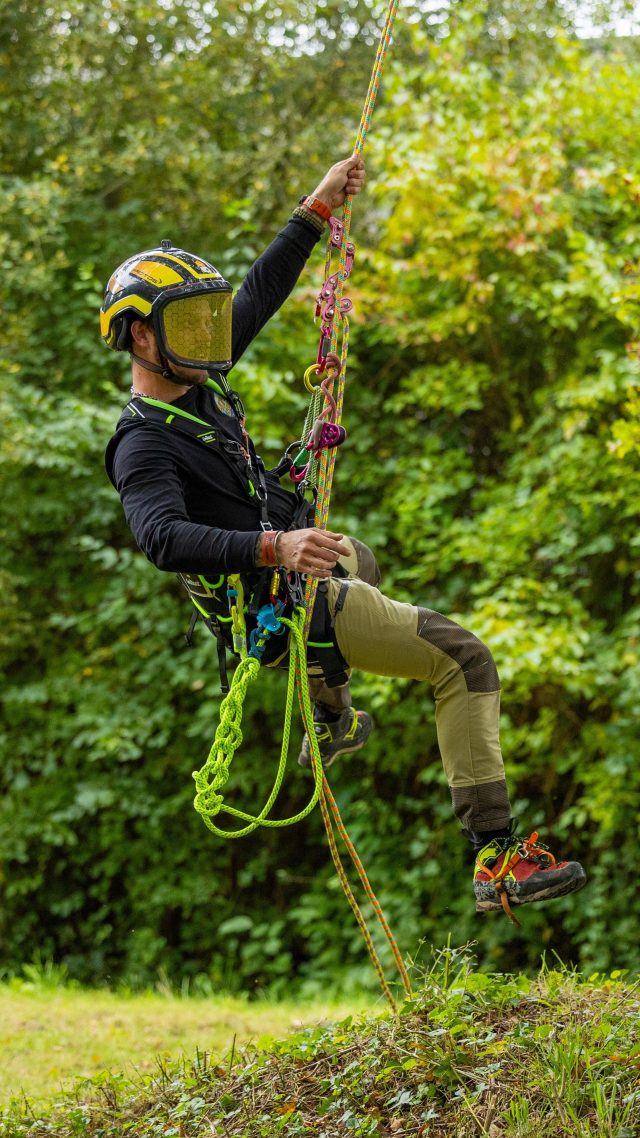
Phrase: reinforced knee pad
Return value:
(473, 657)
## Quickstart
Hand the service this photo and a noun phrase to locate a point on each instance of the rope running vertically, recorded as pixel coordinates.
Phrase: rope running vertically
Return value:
(328, 804)
(211, 778)
(328, 459)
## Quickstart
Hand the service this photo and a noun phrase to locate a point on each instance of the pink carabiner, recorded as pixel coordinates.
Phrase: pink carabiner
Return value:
(298, 475)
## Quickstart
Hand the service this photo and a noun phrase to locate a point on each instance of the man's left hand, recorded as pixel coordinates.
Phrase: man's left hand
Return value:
(343, 180)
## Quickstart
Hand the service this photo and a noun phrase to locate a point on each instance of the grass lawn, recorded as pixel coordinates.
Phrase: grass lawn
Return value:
(470, 1055)
(49, 1039)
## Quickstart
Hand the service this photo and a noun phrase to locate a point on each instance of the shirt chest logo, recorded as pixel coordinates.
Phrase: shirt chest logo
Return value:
(208, 437)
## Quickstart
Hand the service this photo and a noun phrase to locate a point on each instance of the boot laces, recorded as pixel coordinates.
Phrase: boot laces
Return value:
(529, 849)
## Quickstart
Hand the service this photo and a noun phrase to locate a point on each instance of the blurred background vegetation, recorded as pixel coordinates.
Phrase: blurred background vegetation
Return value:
(492, 462)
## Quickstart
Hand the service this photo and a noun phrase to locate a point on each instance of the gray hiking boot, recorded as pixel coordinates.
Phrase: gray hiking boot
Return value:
(349, 733)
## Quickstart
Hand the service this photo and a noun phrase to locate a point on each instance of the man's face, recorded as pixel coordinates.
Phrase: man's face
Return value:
(145, 345)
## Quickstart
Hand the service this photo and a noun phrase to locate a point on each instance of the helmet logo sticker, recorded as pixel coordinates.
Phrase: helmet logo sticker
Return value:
(156, 274)
(205, 268)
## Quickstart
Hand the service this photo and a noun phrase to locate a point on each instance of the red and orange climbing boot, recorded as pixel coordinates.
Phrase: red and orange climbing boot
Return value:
(348, 733)
(510, 871)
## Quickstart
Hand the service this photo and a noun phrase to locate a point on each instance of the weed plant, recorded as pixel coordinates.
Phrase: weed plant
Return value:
(470, 1054)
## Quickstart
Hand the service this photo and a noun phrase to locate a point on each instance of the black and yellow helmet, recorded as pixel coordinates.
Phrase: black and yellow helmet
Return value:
(187, 300)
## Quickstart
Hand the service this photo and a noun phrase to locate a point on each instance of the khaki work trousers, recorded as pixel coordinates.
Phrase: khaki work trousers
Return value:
(389, 638)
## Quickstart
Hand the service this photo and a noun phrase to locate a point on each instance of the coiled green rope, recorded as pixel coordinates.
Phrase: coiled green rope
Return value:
(214, 774)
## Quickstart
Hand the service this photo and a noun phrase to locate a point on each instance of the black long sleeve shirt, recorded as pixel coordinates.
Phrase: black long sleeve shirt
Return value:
(188, 506)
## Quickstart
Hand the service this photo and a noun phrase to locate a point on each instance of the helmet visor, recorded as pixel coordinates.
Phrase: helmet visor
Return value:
(195, 331)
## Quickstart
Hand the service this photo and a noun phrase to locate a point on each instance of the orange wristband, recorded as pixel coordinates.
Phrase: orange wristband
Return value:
(316, 206)
(268, 547)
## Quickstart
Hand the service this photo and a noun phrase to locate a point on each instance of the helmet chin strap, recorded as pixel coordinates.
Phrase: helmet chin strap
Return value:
(164, 370)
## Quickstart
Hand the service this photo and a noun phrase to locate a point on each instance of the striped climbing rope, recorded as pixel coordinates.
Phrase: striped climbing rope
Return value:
(212, 777)
(322, 476)
(329, 807)
(328, 458)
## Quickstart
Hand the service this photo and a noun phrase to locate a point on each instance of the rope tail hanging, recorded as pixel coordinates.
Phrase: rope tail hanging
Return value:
(213, 775)
(325, 470)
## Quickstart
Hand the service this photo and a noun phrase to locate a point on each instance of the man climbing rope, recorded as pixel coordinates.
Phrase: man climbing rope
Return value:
(200, 503)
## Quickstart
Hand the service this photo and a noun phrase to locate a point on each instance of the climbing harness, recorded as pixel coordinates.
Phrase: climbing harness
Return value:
(311, 469)
(239, 454)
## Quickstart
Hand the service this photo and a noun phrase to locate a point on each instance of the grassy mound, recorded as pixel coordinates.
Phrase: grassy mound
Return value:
(470, 1055)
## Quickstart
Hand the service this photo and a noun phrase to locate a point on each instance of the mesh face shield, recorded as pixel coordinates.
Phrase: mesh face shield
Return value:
(195, 330)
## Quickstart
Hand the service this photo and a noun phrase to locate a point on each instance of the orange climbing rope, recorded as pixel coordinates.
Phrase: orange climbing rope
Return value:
(214, 774)
(334, 403)
(328, 799)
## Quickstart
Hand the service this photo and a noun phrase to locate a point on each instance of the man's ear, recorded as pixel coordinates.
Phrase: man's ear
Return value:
(142, 333)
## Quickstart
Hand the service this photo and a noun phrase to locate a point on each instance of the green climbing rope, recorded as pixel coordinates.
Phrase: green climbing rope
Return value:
(214, 774)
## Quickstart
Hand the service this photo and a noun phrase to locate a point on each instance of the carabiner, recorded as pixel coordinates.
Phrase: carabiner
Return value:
(311, 387)
(298, 475)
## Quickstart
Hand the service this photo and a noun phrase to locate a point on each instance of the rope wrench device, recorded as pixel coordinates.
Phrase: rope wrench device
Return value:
(326, 432)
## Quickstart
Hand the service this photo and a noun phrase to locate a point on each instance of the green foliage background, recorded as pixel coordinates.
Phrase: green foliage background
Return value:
(492, 462)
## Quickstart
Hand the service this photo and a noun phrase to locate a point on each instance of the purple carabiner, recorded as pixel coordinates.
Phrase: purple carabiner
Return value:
(324, 435)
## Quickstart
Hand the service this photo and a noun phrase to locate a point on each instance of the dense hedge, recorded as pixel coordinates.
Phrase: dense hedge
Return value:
(492, 462)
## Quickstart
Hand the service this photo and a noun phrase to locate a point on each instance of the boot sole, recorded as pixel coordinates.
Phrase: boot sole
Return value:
(572, 884)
